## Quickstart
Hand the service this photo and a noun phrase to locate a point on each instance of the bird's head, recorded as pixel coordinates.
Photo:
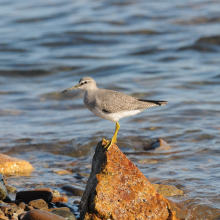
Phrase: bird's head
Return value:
(86, 83)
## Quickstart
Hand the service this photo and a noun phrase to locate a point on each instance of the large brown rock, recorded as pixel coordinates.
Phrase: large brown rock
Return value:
(11, 165)
(116, 189)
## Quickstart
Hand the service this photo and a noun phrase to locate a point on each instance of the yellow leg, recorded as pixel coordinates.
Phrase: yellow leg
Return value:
(114, 138)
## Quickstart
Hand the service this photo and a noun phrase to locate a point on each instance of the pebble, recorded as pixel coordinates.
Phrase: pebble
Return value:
(65, 214)
(56, 193)
(63, 208)
(3, 191)
(27, 207)
(74, 190)
(59, 199)
(38, 204)
(22, 205)
(62, 172)
(11, 189)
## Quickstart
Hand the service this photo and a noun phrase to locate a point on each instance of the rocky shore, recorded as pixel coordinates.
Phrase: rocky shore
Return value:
(116, 189)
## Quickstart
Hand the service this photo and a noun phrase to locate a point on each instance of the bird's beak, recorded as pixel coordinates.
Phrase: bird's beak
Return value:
(71, 88)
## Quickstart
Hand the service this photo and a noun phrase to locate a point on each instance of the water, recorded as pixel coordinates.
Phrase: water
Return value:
(155, 50)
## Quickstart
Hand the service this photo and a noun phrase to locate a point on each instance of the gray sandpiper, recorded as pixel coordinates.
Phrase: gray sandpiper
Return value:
(111, 105)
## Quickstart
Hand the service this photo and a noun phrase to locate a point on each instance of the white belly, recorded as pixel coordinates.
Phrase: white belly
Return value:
(114, 116)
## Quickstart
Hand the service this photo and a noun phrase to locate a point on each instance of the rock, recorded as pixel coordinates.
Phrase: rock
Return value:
(55, 193)
(63, 208)
(12, 165)
(74, 190)
(4, 207)
(2, 216)
(14, 216)
(167, 190)
(65, 214)
(28, 208)
(182, 212)
(209, 40)
(41, 215)
(72, 208)
(38, 204)
(3, 191)
(62, 172)
(22, 205)
(27, 196)
(158, 145)
(116, 189)
(11, 189)
(59, 199)
(11, 209)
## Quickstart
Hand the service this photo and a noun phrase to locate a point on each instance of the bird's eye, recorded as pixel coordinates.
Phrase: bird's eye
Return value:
(85, 82)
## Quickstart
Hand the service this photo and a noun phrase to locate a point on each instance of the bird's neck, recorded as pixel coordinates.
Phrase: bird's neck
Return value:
(92, 88)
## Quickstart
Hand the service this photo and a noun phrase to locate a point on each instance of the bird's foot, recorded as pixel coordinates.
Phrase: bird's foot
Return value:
(105, 143)
(108, 144)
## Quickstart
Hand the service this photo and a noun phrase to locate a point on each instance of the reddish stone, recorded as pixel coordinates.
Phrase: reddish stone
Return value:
(41, 215)
(116, 189)
(59, 199)
(43, 189)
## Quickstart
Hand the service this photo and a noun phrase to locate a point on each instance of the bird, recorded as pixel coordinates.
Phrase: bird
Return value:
(111, 105)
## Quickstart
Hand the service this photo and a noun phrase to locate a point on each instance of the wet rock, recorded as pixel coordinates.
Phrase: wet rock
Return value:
(4, 207)
(182, 212)
(209, 40)
(59, 199)
(65, 214)
(71, 208)
(116, 189)
(158, 145)
(167, 190)
(28, 208)
(41, 215)
(38, 204)
(11, 189)
(22, 205)
(11, 210)
(3, 191)
(74, 190)
(205, 44)
(2, 216)
(56, 193)
(63, 208)
(27, 196)
(62, 172)
(12, 165)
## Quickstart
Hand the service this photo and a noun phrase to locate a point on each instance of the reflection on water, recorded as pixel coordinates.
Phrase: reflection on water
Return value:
(156, 50)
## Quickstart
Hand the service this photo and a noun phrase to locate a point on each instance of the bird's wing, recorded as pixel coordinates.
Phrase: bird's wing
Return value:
(110, 101)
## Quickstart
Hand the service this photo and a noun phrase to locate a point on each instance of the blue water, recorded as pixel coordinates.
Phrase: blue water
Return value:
(163, 50)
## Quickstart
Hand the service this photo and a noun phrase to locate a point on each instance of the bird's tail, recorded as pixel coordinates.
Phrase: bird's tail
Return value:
(159, 103)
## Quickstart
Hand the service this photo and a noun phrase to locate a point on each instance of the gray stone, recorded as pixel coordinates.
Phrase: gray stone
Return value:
(65, 214)
(3, 191)
(74, 190)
